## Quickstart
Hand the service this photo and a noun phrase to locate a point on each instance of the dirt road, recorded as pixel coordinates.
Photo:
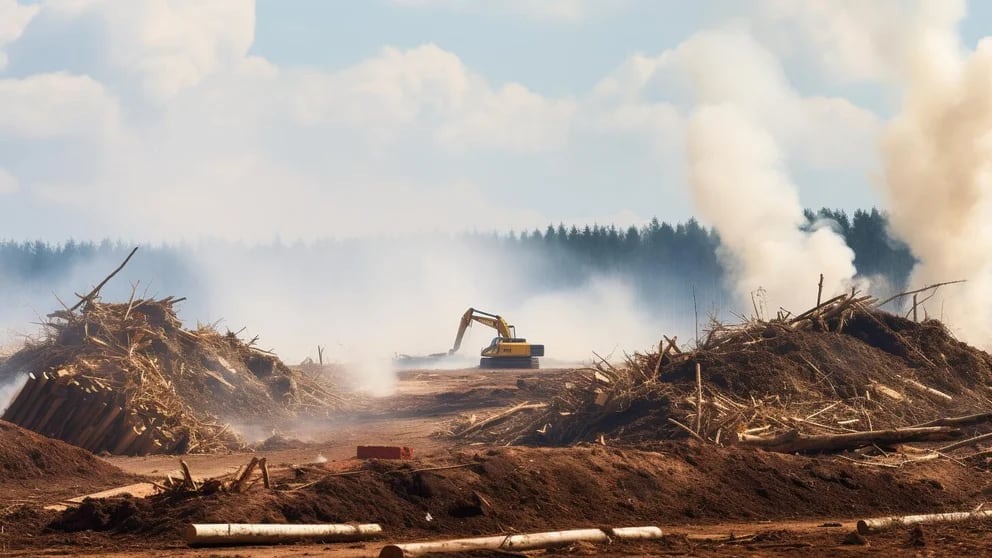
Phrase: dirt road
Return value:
(424, 404)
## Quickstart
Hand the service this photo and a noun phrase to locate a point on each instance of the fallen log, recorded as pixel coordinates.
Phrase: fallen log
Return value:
(794, 442)
(926, 389)
(888, 392)
(968, 442)
(966, 420)
(868, 526)
(519, 542)
(226, 534)
(501, 416)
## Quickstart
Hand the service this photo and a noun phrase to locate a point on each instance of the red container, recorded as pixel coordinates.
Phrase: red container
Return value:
(385, 452)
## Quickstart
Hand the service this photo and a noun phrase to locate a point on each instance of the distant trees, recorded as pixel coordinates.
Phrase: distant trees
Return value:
(663, 261)
(876, 253)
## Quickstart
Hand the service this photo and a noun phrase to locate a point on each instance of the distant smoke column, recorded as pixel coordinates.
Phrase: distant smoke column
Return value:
(740, 185)
(938, 172)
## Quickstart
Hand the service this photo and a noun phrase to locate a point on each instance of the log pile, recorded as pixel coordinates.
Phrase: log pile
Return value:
(128, 379)
(839, 376)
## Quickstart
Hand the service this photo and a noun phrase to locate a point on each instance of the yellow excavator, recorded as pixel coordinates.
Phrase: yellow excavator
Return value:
(506, 350)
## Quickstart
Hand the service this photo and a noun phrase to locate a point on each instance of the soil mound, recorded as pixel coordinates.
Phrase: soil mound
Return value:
(25, 455)
(38, 470)
(844, 367)
(524, 489)
(128, 379)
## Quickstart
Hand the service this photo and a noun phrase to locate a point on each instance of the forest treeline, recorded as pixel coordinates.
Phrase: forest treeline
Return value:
(662, 260)
(691, 251)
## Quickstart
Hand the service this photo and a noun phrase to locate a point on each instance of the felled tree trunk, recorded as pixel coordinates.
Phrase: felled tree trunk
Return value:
(794, 442)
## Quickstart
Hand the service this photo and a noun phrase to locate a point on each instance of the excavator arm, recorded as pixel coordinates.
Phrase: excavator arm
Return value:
(494, 321)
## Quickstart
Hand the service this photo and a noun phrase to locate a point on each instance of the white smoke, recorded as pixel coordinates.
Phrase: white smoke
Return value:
(740, 183)
(9, 391)
(938, 169)
(739, 174)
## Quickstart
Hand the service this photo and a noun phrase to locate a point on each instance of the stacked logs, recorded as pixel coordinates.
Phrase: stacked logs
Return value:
(87, 413)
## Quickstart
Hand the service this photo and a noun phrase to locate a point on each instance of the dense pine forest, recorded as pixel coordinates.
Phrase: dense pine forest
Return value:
(559, 255)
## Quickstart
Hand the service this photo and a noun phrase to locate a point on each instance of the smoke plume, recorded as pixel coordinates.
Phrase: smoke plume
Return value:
(739, 176)
(740, 184)
(938, 170)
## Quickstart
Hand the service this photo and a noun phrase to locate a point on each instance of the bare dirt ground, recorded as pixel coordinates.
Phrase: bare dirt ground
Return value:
(772, 504)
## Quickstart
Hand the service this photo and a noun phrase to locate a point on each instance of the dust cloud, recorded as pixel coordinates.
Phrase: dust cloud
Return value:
(366, 301)
(938, 169)
(384, 297)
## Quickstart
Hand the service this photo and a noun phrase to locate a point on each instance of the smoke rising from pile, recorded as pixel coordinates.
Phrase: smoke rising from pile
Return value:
(740, 184)
(739, 175)
(938, 170)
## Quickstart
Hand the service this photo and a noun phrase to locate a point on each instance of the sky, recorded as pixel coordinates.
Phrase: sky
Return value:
(168, 120)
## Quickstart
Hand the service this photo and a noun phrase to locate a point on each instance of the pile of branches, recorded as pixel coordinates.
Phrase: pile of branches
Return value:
(776, 384)
(127, 378)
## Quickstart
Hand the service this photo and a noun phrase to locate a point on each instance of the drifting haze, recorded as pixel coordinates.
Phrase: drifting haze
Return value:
(367, 300)
(406, 296)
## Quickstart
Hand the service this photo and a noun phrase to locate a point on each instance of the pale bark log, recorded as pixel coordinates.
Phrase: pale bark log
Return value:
(519, 542)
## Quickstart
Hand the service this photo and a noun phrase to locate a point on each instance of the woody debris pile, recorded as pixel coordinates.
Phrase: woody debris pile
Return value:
(841, 376)
(129, 379)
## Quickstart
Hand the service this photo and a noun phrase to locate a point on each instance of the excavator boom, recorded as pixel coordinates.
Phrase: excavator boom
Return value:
(485, 318)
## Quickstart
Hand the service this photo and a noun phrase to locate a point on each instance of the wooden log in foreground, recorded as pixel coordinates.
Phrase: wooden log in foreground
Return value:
(794, 442)
(926, 389)
(229, 534)
(867, 526)
(519, 542)
(968, 442)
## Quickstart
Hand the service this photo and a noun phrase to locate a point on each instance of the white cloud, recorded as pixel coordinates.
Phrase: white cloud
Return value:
(851, 40)
(512, 118)
(14, 18)
(167, 46)
(55, 105)
(728, 64)
(424, 88)
(406, 139)
(8, 182)
(566, 11)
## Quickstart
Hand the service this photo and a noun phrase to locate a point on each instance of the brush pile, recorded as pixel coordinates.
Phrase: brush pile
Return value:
(842, 375)
(128, 379)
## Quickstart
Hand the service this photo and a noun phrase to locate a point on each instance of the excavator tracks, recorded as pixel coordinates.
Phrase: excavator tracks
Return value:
(509, 362)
